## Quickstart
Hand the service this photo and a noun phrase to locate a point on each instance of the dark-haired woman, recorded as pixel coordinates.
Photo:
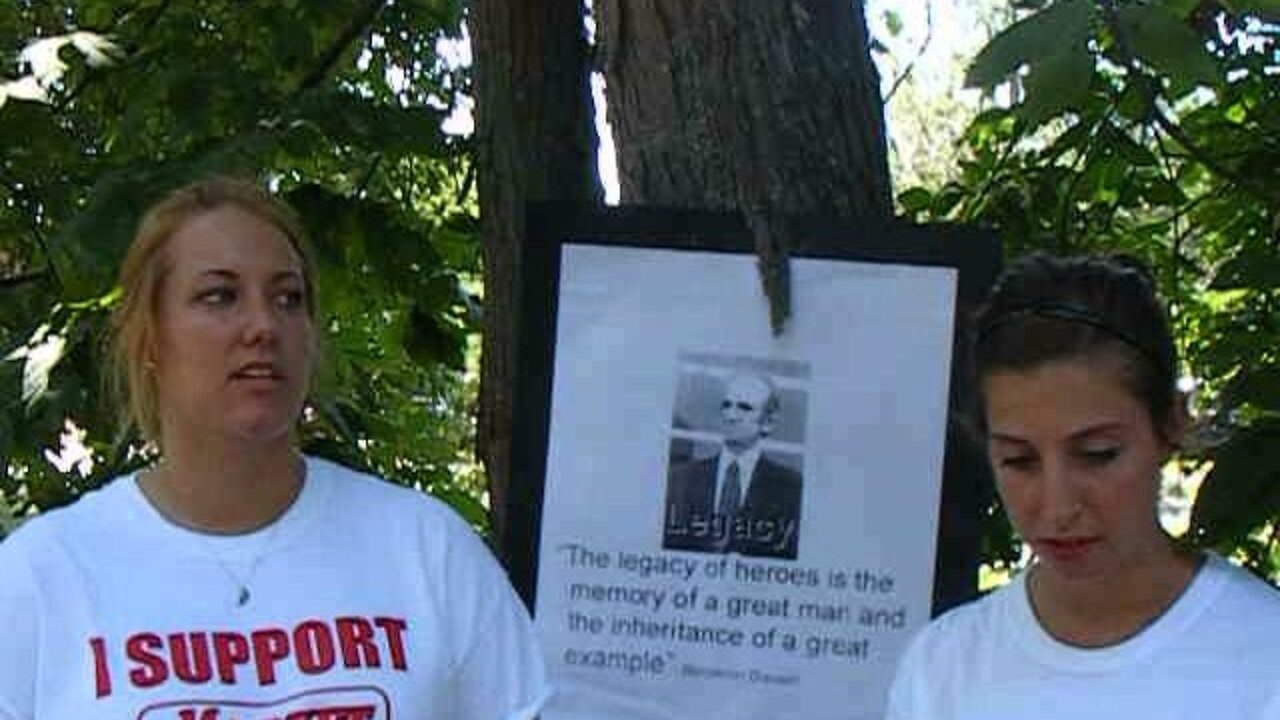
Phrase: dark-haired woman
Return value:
(1112, 619)
(237, 578)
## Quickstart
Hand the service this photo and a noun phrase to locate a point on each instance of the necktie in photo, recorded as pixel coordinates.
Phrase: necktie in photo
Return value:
(730, 500)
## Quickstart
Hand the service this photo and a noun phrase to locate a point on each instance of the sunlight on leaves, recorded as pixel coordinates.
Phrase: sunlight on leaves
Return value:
(44, 59)
(44, 56)
(25, 88)
(41, 356)
(40, 362)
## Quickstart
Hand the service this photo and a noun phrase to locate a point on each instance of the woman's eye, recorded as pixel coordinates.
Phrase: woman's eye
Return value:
(1016, 462)
(1100, 456)
(290, 299)
(216, 296)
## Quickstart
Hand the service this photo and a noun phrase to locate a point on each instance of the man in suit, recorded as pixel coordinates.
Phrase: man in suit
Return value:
(740, 500)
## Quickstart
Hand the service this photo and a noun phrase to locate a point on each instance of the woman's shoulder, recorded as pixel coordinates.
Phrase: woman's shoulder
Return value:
(950, 650)
(89, 511)
(375, 509)
(967, 627)
(1241, 593)
(356, 492)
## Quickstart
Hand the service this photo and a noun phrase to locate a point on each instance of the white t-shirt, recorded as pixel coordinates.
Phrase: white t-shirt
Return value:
(365, 600)
(1214, 654)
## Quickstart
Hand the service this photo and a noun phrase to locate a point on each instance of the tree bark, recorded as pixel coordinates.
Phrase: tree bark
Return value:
(769, 108)
(733, 105)
(534, 142)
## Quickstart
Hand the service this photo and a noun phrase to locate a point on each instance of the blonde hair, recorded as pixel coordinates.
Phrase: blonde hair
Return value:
(133, 322)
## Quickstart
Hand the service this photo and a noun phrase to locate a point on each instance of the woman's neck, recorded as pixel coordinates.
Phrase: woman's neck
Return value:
(233, 492)
(1099, 612)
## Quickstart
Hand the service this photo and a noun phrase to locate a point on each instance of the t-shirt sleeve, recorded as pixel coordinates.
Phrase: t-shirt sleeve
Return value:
(19, 630)
(499, 671)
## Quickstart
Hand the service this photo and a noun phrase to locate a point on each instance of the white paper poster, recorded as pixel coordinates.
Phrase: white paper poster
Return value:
(738, 525)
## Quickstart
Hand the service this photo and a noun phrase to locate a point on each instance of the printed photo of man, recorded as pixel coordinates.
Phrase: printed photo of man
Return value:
(741, 500)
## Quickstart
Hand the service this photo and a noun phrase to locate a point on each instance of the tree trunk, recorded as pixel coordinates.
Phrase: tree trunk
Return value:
(772, 109)
(760, 107)
(534, 142)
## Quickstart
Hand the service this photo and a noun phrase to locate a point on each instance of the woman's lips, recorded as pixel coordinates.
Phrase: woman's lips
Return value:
(1065, 549)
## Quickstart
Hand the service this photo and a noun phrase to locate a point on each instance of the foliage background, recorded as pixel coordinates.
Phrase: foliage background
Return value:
(1150, 127)
(339, 105)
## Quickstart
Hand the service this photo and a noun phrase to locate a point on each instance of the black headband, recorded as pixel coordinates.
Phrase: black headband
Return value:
(1074, 313)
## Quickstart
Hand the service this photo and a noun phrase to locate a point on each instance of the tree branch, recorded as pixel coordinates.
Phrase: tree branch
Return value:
(13, 281)
(1175, 225)
(329, 58)
(1064, 212)
(1175, 131)
(1005, 153)
(928, 37)
(147, 27)
(1246, 183)
(1272, 537)
(368, 175)
(468, 182)
(25, 198)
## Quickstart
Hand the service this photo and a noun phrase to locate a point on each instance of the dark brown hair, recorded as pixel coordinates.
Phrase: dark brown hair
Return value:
(1047, 308)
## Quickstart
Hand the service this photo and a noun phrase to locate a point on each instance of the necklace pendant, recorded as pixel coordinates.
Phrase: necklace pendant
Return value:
(244, 596)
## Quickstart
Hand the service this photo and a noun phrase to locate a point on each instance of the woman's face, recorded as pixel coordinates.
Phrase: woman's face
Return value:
(1077, 463)
(234, 340)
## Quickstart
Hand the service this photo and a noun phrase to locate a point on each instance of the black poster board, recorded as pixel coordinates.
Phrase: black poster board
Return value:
(642, 331)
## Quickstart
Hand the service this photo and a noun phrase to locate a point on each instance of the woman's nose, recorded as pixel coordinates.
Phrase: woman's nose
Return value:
(1060, 501)
(260, 325)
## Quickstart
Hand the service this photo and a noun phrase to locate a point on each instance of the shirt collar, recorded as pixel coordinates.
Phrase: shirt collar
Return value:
(746, 465)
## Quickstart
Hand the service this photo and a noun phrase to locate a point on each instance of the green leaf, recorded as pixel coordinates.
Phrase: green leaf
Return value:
(1136, 155)
(1101, 180)
(915, 200)
(1047, 32)
(302, 140)
(8, 523)
(1258, 385)
(1269, 8)
(1255, 266)
(39, 360)
(1075, 138)
(281, 92)
(1242, 491)
(349, 119)
(400, 253)
(1162, 191)
(893, 22)
(1136, 100)
(48, 489)
(6, 425)
(429, 341)
(88, 245)
(1057, 83)
(946, 200)
(458, 247)
(1181, 8)
(1169, 45)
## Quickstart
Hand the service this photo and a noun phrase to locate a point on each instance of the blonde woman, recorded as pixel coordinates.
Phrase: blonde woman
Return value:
(237, 578)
